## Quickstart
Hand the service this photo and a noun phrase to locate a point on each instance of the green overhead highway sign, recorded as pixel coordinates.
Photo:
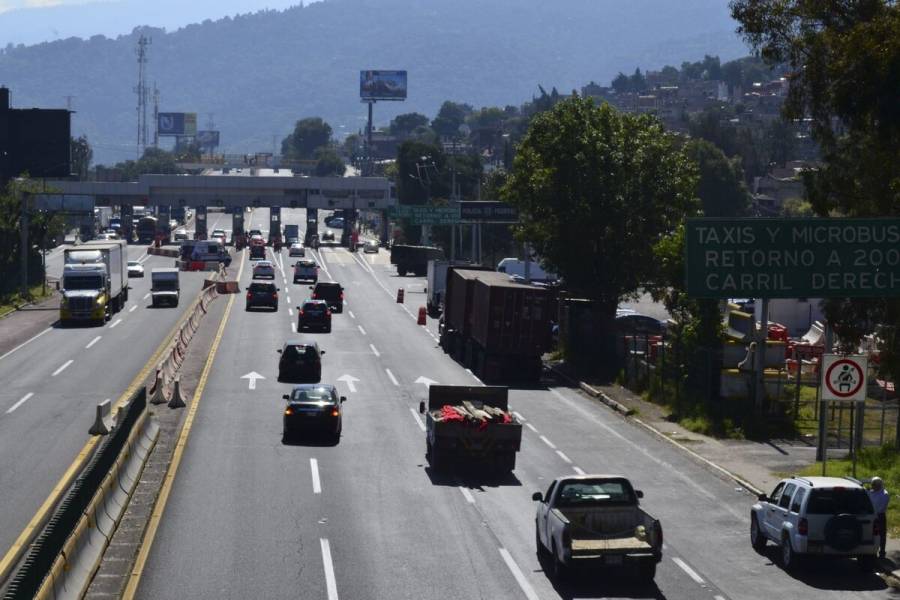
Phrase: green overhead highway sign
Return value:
(426, 215)
(792, 258)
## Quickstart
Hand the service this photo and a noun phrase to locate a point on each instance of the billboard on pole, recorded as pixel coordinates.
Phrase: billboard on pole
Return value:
(172, 123)
(207, 139)
(382, 85)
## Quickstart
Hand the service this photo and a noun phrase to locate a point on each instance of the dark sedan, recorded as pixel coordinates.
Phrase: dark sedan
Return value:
(313, 408)
(260, 294)
(314, 314)
(300, 362)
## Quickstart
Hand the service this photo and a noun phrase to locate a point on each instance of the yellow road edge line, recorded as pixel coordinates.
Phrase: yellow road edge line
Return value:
(134, 579)
(24, 539)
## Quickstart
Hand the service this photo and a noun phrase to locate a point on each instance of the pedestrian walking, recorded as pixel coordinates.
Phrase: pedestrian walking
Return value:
(880, 499)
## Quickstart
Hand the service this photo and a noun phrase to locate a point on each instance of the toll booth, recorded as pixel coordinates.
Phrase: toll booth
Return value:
(237, 226)
(349, 217)
(127, 215)
(275, 224)
(312, 224)
(163, 215)
(200, 231)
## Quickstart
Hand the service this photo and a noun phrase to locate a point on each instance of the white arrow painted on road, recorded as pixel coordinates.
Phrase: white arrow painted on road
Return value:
(252, 376)
(426, 381)
(350, 380)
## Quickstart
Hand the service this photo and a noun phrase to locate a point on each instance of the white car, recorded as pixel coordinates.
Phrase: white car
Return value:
(816, 517)
(370, 247)
(264, 269)
(135, 269)
(107, 235)
(296, 249)
(180, 234)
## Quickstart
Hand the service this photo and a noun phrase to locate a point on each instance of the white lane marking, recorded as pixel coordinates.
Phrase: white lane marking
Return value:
(519, 416)
(391, 377)
(294, 327)
(714, 597)
(290, 311)
(374, 350)
(20, 402)
(116, 322)
(409, 312)
(517, 573)
(133, 308)
(289, 299)
(28, 341)
(330, 582)
(468, 495)
(350, 312)
(93, 341)
(145, 258)
(417, 418)
(687, 569)
(548, 442)
(563, 456)
(469, 371)
(578, 470)
(531, 427)
(361, 330)
(317, 483)
(64, 366)
(147, 295)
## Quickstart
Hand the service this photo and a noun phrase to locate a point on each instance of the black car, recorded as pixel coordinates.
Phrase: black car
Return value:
(257, 252)
(328, 236)
(313, 408)
(330, 292)
(314, 314)
(300, 362)
(262, 294)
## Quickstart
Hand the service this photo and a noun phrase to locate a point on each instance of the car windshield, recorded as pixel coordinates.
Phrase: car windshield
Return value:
(318, 394)
(300, 352)
(89, 282)
(327, 291)
(595, 493)
(836, 501)
(133, 263)
(313, 308)
(261, 287)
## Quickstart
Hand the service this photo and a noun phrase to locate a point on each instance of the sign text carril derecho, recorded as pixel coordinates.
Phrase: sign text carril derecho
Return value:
(792, 258)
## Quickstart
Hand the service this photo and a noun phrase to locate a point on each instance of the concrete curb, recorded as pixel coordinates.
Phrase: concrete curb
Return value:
(628, 414)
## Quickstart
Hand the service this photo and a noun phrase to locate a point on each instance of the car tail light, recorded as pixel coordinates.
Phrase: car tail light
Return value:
(328, 312)
(249, 295)
(335, 412)
(342, 295)
(288, 411)
(314, 297)
(300, 312)
(803, 527)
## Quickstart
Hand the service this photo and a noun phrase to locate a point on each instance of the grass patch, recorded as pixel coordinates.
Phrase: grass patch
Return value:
(883, 462)
(8, 302)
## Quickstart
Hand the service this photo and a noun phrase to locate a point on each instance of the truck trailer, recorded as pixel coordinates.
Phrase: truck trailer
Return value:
(496, 327)
(95, 281)
(414, 259)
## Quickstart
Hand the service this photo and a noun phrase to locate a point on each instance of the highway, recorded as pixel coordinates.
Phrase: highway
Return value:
(252, 517)
(53, 382)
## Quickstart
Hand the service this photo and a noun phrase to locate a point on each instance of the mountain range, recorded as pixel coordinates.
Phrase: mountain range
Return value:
(256, 74)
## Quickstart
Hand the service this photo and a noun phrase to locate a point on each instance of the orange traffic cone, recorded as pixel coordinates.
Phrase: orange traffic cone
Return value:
(400, 296)
(421, 319)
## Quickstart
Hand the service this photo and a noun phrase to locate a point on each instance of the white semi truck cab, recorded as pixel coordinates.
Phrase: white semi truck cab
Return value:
(84, 293)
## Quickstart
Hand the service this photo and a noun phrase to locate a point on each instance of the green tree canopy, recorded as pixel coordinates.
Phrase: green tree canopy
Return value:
(403, 125)
(329, 163)
(721, 187)
(154, 161)
(309, 135)
(450, 117)
(596, 191)
(419, 168)
(82, 155)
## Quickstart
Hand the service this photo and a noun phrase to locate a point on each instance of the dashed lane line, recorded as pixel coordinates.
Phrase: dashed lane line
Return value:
(563, 456)
(519, 416)
(93, 341)
(330, 581)
(133, 308)
(22, 401)
(548, 442)
(391, 377)
(316, 482)
(116, 322)
(62, 368)
(518, 575)
(361, 330)
(350, 312)
(417, 418)
(578, 470)
(467, 494)
(147, 295)
(374, 350)
(531, 427)
(687, 569)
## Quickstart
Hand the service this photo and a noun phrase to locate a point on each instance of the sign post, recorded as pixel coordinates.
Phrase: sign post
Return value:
(844, 379)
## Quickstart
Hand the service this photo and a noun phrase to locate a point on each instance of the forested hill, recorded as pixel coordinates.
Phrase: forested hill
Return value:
(259, 72)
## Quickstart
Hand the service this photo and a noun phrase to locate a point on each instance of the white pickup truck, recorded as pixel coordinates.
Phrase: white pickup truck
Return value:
(596, 520)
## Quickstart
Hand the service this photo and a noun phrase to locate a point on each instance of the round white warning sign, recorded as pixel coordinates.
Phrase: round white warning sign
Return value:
(844, 377)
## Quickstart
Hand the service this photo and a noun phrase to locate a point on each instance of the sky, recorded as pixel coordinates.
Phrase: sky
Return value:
(34, 21)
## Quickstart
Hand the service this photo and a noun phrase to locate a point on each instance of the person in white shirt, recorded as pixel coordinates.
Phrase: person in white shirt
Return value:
(880, 499)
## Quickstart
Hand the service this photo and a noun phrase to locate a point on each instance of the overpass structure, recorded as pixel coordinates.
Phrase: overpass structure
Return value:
(203, 191)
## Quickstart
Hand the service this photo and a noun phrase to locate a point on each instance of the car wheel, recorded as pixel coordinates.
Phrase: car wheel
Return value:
(788, 557)
(757, 539)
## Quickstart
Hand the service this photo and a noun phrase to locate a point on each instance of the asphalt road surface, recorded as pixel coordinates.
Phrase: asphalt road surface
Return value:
(252, 517)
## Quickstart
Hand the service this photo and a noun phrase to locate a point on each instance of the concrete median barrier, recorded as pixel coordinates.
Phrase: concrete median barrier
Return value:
(103, 421)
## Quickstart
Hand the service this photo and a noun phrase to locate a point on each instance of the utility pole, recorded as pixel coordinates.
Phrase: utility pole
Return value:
(141, 91)
(155, 116)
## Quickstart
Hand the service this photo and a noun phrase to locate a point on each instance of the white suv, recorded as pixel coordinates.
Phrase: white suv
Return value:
(816, 516)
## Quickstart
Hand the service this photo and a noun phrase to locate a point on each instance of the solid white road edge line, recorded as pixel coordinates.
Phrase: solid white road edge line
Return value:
(548, 442)
(26, 342)
(93, 341)
(317, 483)
(374, 350)
(417, 418)
(20, 402)
(391, 377)
(330, 582)
(64, 366)
(519, 576)
(687, 569)
(563, 456)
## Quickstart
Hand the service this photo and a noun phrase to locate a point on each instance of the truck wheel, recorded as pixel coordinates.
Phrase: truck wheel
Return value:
(789, 558)
(757, 538)
(647, 571)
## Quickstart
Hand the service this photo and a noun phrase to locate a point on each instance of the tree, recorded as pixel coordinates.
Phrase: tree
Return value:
(450, 117)
(154, 161)
(637, 81)
(721, 186)
(418, 168)
(843, 58)
(596, 191)
(329, 163)
(82, 155)
(353, 146)
(403, 125)
(621, 83)
(309, 135)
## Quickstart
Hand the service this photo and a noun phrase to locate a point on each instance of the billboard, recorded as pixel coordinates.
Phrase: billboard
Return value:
(207, 139)
(36, 141)
(170, 123)
(382, 85)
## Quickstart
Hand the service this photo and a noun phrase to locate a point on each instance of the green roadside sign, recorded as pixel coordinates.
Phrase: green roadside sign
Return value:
(792, 258)
(426, 215)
